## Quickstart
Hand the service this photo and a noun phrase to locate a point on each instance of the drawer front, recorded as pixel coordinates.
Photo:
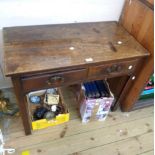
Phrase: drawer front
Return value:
(53, 80)
(113, 69)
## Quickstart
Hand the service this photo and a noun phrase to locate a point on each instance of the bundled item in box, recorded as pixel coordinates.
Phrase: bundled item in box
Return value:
(95, 101)
(47, 108)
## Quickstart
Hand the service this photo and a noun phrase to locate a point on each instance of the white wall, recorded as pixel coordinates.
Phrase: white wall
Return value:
(36, 12)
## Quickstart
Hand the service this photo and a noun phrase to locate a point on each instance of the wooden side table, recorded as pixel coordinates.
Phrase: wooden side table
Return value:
(41, 57)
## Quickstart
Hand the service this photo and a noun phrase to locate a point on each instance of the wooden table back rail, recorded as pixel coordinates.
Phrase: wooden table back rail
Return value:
(45, 56)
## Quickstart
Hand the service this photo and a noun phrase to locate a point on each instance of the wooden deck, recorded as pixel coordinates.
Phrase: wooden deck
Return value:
(120, 134)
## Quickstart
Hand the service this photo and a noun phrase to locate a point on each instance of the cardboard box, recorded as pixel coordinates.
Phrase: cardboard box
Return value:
(94, 109)
(44, 123)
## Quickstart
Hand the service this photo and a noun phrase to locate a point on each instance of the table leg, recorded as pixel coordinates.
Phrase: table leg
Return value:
(123, 94)
(21, 99)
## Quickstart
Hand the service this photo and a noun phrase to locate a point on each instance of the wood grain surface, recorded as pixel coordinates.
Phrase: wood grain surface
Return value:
(47, 47)
(138, 19)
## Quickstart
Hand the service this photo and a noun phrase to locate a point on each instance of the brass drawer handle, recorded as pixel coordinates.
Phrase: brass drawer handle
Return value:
(114, 68)
(119, 68)
(108, 70)
(54, 79)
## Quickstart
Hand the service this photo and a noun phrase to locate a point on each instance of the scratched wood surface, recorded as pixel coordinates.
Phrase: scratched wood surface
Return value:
(121, 134)
(45, 47)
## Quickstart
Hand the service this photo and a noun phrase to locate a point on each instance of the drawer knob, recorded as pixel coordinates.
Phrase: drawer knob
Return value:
(55, 79)
(119, 68)
(109, 70)
(114, 68)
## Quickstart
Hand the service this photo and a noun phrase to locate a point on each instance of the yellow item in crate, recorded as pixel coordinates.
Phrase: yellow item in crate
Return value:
(26, 153)
(43, 123)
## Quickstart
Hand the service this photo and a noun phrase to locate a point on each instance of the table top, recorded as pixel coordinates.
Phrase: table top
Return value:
(45, 47)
